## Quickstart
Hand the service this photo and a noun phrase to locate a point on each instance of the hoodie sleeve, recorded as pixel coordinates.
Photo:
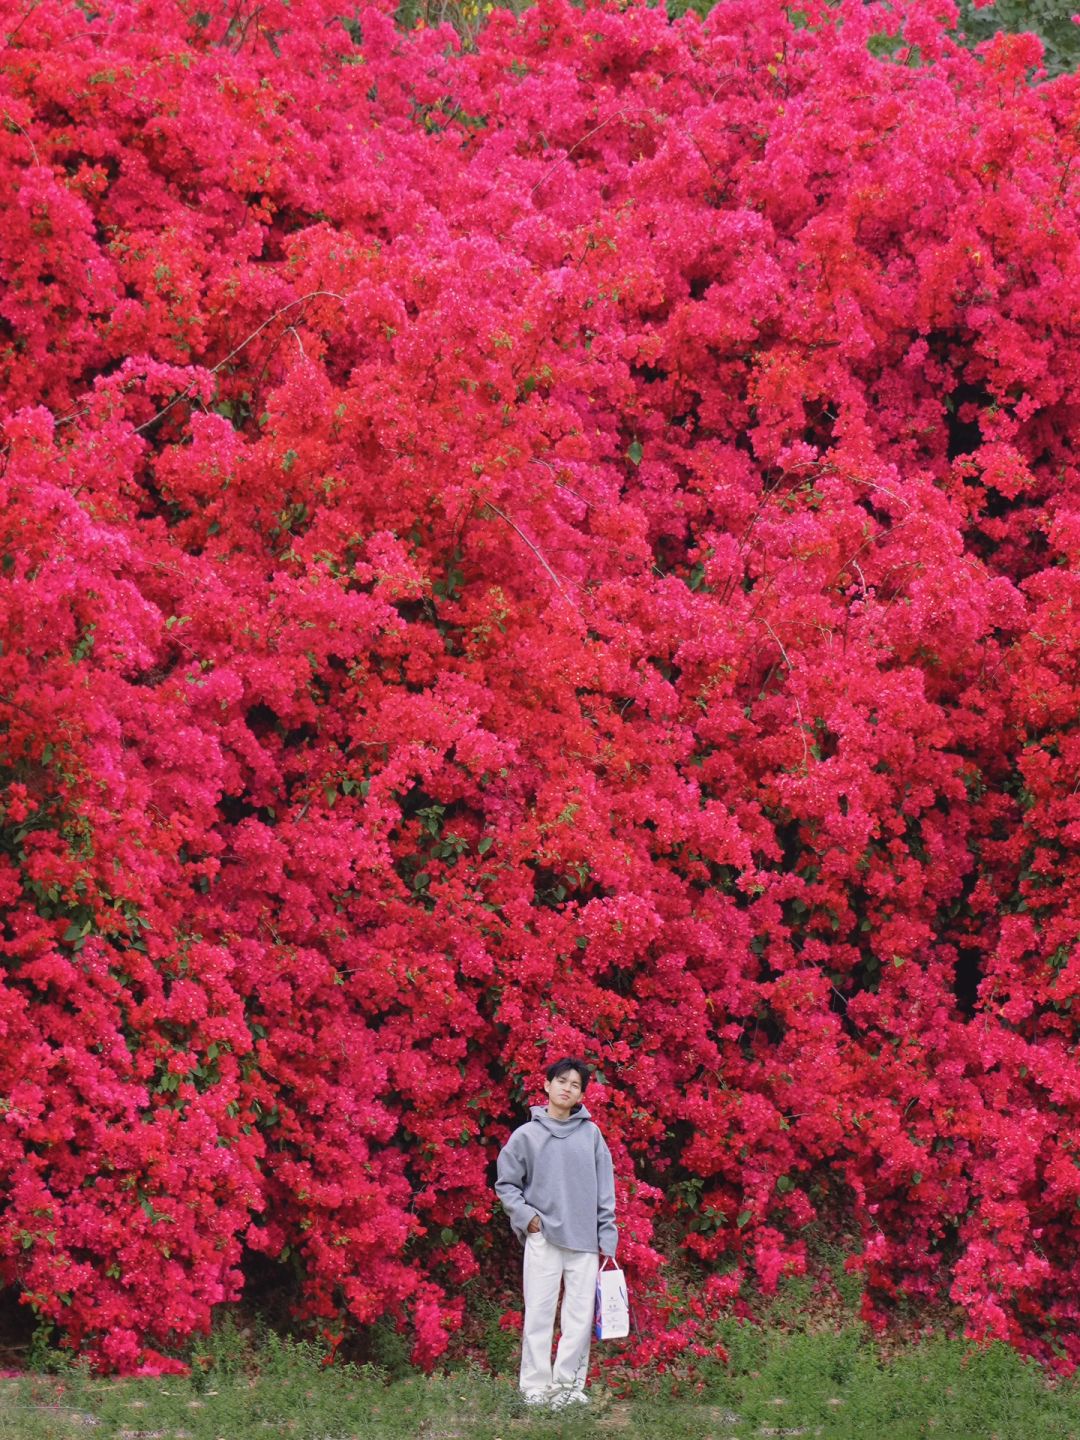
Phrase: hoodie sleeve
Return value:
(607, 1234)
(510, 1185)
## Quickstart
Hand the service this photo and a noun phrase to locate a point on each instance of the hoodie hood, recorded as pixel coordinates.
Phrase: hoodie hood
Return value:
(560, 1128)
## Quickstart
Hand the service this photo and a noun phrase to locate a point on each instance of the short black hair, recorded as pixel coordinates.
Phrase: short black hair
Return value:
(560, 1067)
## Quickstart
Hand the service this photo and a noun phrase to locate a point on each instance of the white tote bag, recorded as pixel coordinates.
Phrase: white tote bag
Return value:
(612, 1302)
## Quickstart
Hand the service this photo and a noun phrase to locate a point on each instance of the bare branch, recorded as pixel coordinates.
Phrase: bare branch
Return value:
(619, 115)
(312, 295)
(11, 119)
(798, 708)
(506, 520)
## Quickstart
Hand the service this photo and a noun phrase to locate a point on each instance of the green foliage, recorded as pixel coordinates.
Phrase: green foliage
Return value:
(1049, 19)
(677, 8)
(389, 1349)
(501, 1348)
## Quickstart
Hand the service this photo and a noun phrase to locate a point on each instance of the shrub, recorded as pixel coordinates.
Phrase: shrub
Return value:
(565, 545)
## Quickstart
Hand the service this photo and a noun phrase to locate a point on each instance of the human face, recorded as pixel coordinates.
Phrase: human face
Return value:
(564, 1092)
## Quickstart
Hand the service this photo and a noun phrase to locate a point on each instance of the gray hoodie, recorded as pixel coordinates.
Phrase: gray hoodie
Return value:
(560, 1170)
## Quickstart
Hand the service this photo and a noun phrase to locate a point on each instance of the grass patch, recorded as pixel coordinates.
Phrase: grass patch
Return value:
(781, 1379)
(840, 1385)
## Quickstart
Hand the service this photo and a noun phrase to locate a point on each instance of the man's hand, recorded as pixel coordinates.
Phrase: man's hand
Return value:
(534, 1225)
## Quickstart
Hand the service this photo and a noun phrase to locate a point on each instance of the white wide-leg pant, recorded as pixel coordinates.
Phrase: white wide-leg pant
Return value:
(547, 1267)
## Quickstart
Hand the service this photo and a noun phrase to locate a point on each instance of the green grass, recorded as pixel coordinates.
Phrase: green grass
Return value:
(781, 1379)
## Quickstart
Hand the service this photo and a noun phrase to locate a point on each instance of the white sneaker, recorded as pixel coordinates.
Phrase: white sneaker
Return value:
(569, 1397)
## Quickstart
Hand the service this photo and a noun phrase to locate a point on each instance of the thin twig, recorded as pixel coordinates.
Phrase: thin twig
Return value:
(619, 115)
(312, 295)
(579, 498)
(23, 19)
(12, 121)
(562, 485)
(866, 544)
(506, 520)
(798, 707)
(15, 705)
(873, 484)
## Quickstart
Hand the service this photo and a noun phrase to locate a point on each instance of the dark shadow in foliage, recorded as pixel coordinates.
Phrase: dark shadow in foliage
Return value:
(17, 1326)
(962, 420)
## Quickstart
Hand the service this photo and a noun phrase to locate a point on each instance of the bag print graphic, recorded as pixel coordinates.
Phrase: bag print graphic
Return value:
(612, 1302)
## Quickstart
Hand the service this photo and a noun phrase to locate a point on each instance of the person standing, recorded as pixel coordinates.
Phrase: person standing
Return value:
(557, 1185)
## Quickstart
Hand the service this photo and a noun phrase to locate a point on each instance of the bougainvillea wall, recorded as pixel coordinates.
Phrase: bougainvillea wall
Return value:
(566, 544)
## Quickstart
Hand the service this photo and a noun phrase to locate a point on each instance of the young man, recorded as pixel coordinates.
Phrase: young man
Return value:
(557, 1185)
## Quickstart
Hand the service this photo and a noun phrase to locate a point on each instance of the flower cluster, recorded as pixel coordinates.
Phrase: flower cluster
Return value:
(562, 544)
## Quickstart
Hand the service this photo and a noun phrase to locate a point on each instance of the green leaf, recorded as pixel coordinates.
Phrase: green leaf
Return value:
(635, 453)
(744, 1218)
(154, 1216)
(484, 845)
